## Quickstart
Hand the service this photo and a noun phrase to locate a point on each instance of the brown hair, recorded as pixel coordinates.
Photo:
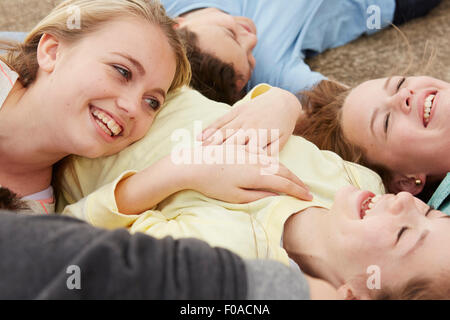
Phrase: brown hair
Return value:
(323, 123)
(211, 76)
(10, 201)
(416, 289)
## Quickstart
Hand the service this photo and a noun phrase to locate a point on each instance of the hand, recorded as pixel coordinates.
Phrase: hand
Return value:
(266, 121)
(229, 173)
(250, 177)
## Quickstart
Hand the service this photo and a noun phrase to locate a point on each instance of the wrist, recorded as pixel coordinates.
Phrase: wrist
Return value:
(293, 102)
(181, 174)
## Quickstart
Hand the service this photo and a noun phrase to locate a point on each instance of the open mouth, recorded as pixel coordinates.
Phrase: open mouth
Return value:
(367, 204)
(106, 122)
(428, 107)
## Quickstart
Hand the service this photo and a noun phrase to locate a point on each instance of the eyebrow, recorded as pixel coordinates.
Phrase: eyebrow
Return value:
(372, 120)
(418, 243)
(386, 84)
(133, 61)
(231, 34)
(421, 240)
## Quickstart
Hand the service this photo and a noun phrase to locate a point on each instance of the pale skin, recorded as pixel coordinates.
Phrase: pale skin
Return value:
(117, 85)
(386, 117)
(280, 110)
(237, 38)
(400, 234)
(235, 183)
(55, 113)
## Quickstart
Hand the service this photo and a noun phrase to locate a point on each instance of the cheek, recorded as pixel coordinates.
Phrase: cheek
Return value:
(82, 87)
(410, 147)
(368, 239)
(143, 125)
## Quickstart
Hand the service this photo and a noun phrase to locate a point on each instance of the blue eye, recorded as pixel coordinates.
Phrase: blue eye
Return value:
(153, 103)
(123, 72)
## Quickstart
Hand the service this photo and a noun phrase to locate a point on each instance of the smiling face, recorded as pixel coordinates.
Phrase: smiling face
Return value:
(399, 234)
(237, 39)
(103, 91)
(402, 123)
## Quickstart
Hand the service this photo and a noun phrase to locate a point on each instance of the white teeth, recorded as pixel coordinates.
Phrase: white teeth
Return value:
(428, 104)
(107, 131)
(369, 204)
(376, 198)
(107, 123)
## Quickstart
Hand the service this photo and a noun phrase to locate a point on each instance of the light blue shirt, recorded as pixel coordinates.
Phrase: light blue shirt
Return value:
(15, 36)
(441, 197)
(291, 30)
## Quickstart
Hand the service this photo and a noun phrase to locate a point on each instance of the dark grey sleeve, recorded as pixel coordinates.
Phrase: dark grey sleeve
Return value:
(271, 280)
(54, 257)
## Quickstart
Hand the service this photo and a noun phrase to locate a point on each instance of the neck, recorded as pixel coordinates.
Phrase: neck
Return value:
(26, 142)
(306, 240)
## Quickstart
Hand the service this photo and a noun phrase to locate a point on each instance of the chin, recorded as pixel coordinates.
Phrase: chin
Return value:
(91, 153)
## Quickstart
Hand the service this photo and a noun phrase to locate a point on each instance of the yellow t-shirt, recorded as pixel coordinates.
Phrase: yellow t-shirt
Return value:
(251, 230)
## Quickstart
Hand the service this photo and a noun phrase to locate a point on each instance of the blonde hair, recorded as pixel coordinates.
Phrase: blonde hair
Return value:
(22, 57)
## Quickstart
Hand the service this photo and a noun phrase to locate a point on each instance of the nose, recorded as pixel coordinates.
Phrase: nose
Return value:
(400, 203)
(253, 41)
(403, 100)
(129, 105)
(247, 30)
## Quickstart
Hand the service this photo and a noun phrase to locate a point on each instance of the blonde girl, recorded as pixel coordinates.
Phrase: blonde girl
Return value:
(88, 80)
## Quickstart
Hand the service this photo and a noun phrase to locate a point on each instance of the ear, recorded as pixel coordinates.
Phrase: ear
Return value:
(47, 52)
(180, 22)
(400, 182)
(353, 291)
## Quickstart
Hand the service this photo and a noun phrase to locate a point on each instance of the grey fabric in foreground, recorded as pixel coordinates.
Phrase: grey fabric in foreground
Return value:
(54, 257)
(270, 280)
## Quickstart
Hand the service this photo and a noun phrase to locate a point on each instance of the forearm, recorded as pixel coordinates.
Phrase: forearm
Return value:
(145, 189)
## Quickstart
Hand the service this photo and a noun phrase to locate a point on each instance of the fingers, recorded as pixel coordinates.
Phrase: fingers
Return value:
(233, 133)
(216, 125)
(273, 148)
(281, 181)
(288, 174)
(239, 137)
(286, 186)
(247, 195)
